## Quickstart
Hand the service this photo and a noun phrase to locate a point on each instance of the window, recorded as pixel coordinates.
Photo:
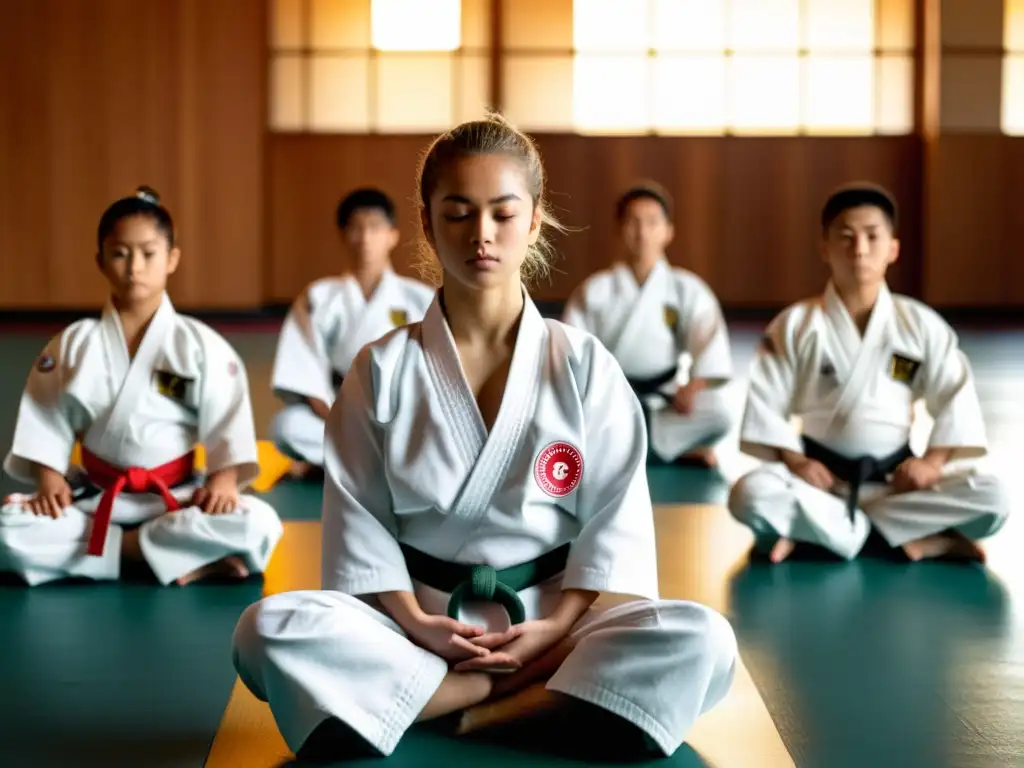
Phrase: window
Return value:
(377, 65)
(1013, 68)
(709, 66)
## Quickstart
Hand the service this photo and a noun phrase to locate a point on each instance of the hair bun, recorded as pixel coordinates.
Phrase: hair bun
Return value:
(148, 194)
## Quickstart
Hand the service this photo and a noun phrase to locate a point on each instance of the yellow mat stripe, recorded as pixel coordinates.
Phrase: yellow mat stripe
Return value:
(273, 464)
(738, 733)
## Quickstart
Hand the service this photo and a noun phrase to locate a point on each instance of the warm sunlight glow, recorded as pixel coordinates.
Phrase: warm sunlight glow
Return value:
(609, 94)
(764, 25)
(839, 95)
(610, 25)
(539, 92)
(764, 94)
(415, 93)
(894, 105)
(286, 24)
(846, 26)
(1013, 95)
(689, 94)
(1013, 26)
(416, 25)
(339, 98)
(689, 26)
(339, 24)
(286, 93)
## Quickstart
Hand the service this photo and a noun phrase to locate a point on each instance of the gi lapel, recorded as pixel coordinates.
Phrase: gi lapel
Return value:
(108, 434)
(487, 457)
(871, 350)
(647, 299)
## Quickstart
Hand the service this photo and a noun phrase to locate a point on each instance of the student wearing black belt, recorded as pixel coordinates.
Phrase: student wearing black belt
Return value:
(333, 318)
(664, 326)
(852, 364)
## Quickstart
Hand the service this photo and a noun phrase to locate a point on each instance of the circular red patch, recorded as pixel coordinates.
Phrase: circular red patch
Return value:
(558, 469)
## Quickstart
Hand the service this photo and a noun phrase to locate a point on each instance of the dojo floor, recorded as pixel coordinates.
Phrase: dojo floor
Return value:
(867, 664)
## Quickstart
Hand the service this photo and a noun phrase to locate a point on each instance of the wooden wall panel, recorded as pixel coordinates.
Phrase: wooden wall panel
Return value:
(746, 208)
(97, 97)
(975, 256)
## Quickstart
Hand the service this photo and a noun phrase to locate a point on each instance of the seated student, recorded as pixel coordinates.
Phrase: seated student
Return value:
(485, 480)
(851, 364)
(654, 317)
(138, 389)
(333, 318)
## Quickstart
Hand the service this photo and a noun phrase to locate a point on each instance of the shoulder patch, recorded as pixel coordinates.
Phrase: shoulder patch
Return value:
(45, 363)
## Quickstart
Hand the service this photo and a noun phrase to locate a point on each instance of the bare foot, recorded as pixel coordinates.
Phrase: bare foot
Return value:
(949, 545)
(299, 469)
(782, 549)
(705, 456)
(232, 567)
(528, 702)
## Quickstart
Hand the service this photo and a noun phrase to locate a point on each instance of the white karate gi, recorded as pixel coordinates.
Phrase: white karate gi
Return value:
(409, 459)
(856, 396)
(325, 328)
(672, 321)
(185, 385)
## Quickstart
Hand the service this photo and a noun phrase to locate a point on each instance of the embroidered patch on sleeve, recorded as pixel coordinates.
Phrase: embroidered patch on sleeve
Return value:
(903, 369)
(172, 385)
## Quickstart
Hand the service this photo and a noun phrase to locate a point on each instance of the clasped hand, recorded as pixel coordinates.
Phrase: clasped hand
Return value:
(469, 648)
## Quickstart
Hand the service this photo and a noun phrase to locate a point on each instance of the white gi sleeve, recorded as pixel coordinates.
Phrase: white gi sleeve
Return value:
(226, 427)
(48, 420)
(302, 367)
(948, 389)
(575, 311)
(705, 336)
(360, 554)
(615, 550)
(767, 426)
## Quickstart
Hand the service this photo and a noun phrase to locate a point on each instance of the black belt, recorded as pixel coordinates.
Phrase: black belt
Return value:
(855, 471)
(465, 581)
(646, 387)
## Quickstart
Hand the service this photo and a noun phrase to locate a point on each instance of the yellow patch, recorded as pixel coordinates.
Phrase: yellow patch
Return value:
(903, 369)
(671, 317)
(399, 317)
(172, 385)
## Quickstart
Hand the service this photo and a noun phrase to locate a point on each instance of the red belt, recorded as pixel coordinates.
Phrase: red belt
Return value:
(113, 480)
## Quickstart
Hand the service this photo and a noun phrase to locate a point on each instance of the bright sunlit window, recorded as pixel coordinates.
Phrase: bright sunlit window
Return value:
(388, 66)
(415, 25)
(713, 67)
(1013, 68)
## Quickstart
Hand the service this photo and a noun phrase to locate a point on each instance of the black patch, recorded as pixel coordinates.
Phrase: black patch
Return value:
(172, 385)
(903, 369)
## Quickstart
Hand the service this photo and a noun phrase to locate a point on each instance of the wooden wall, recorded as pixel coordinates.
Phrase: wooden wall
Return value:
(746, 209)
(99, 96)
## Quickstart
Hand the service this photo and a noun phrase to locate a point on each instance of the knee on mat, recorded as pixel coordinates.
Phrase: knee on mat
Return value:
(292, 425)
(749, 492)
(691, 625)
(257, 628)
